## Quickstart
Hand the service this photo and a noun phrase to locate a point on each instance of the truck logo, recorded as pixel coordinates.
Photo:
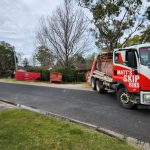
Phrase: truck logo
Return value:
(130, 78)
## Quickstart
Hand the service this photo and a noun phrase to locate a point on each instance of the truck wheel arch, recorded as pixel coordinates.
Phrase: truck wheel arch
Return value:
(120, 85)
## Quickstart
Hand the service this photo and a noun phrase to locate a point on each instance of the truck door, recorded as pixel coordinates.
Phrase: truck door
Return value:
(125, 69)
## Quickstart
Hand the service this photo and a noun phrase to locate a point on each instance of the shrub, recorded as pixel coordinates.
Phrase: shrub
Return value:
(81, 77)
(45, 75)
(71, 75)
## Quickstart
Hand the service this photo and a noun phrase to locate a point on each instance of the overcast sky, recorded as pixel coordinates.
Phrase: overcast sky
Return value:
(19, 19)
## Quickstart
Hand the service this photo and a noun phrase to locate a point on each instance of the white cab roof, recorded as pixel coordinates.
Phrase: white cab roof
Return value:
(135, 46)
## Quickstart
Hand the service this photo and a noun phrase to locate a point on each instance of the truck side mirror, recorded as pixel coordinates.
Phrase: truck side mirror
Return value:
(132, 60)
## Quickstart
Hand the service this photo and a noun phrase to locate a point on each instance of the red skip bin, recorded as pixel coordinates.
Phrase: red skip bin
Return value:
(32, 76)
(56, 77)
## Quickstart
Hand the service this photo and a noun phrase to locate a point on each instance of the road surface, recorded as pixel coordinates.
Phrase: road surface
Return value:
(87, 106)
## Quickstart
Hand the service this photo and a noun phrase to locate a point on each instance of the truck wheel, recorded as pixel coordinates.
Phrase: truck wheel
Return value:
(93, 84)
(99, 87)
(124, 99)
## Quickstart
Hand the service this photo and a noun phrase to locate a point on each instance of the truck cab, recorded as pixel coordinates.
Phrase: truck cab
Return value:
(130, 75)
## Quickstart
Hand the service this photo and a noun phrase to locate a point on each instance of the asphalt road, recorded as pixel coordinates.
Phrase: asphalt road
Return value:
(87, 106)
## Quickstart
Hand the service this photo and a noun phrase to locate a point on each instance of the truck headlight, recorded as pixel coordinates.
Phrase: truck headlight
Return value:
(146, 98)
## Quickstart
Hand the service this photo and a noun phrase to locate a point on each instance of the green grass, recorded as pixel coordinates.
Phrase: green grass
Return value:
(25, 130)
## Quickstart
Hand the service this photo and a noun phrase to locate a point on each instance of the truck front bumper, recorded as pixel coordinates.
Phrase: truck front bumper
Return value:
(145, 98)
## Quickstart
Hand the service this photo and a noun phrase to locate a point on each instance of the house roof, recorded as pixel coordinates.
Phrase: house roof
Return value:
(82, 67)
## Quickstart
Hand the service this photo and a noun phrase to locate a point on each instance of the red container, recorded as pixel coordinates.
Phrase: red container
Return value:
(56, 77)
(32, 76)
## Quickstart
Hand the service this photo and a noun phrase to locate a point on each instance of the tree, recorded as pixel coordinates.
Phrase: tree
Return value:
(78, 59)
(20, 57)
(25, 62)
(33, 59)
(148, 11)
(89, 59)
(115, 20)
(136, 39)
(145, 37)
(7, 57)
(64, 33)
(44, 56)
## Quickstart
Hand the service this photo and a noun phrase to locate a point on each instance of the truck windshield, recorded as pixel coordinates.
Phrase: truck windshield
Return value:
(145, 55)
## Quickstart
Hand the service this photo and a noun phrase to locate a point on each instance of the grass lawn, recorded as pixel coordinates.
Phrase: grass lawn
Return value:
(25, 130)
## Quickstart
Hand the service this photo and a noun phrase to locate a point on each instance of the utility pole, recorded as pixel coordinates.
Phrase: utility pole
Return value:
(15, 60)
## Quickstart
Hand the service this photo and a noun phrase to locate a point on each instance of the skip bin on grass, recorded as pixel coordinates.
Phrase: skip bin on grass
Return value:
(56, 77)
(32, 76)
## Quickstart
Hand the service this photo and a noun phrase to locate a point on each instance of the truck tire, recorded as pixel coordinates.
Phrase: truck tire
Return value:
(93, 83)
(124, 99)
(99, 87)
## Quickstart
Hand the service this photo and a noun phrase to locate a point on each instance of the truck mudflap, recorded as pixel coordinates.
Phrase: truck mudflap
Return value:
(145, 98)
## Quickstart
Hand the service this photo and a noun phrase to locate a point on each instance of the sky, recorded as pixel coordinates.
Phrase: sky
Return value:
(19, 20)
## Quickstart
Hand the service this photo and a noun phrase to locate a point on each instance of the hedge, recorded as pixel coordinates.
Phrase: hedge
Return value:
(71, 75)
